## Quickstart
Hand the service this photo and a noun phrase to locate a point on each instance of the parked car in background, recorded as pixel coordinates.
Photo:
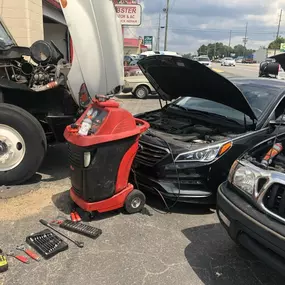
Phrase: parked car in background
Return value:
(150, 53)
(194, 140)
(204, 59)
(248, 60)
(228, 61)
(132, 69)
(139, 86)
(251, 203)
(239, 59)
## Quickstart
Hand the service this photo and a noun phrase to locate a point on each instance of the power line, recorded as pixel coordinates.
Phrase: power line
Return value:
(210, 30)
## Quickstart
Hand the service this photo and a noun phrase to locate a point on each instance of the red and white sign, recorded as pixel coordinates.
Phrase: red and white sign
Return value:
(130, 15)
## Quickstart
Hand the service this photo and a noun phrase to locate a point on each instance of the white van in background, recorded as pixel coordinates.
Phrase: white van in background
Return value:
(150, 53)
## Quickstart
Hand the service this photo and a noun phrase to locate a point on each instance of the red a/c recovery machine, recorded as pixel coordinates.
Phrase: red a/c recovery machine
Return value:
(102, 146)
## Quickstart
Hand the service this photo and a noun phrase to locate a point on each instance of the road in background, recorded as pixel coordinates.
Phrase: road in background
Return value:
(244, 70)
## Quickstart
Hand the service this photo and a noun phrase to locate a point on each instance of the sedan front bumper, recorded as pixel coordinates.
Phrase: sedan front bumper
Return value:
(246, 225)
(172, 190)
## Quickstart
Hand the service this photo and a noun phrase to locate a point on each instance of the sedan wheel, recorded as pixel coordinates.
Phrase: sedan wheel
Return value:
(141, 92)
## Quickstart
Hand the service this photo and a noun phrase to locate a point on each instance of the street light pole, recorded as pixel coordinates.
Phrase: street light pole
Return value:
(166, 24)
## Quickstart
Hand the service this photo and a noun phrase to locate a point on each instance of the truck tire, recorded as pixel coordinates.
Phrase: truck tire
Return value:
(22, 145)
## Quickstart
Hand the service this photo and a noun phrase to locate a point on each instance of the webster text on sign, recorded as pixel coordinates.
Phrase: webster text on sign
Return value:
(130, 15)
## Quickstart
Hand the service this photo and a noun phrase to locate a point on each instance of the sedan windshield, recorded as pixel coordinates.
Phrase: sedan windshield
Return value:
(258, 97)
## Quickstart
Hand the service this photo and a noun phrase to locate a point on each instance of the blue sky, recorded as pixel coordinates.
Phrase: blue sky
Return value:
(192, 23)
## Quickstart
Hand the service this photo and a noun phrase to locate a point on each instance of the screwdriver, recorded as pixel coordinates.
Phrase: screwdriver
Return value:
(3, 262)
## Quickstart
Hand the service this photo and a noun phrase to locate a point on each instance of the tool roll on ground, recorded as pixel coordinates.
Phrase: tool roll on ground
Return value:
(102, 147)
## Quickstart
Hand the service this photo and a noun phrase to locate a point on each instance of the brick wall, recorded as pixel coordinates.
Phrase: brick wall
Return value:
(24, 19)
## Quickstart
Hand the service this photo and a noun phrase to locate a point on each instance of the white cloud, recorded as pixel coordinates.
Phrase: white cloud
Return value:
(192, 23)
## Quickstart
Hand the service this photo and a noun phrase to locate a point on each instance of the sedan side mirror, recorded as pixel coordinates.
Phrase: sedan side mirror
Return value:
(279, 122)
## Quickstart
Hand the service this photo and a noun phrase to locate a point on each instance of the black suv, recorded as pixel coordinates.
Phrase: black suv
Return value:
(251, 204)
(194, 140)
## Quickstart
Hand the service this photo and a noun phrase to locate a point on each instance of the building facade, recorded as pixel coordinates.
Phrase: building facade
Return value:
(32, 20)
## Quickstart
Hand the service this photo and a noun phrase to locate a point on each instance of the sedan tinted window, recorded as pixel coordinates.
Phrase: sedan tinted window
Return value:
(258, 97)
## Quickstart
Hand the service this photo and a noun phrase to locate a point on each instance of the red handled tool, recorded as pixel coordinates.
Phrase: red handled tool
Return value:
(21, 258)
(29, 252)
(74, 216)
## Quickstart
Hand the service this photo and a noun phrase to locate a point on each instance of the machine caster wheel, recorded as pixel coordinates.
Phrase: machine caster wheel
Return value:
(135, 202)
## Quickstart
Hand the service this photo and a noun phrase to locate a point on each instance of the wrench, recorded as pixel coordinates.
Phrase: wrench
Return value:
(78, 243)
(21, 258)
(29, 252)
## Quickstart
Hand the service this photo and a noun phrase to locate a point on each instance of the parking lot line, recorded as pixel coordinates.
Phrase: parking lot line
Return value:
(218, 70)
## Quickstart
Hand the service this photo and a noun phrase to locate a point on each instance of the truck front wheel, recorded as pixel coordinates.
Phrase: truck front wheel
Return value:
(22, 145)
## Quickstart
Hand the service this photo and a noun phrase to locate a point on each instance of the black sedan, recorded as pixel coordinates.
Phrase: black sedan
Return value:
(194, 140)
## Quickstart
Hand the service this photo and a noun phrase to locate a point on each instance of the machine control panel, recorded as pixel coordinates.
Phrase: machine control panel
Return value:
(92, 121)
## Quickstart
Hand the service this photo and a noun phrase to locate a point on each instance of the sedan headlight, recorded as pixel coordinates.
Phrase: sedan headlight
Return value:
(244, 179)
(204, 155)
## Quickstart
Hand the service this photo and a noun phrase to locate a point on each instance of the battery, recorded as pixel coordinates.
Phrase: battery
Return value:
(3, 262)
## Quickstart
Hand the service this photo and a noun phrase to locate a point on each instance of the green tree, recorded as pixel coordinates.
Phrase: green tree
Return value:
(276, 43)
(187, 55)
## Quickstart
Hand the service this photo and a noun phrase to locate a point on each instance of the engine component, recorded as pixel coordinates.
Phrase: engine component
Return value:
(43, 52)
(27, 68)
(271, 154)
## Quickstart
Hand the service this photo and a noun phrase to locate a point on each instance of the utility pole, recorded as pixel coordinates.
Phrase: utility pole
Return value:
(158, 34)
(230, 39)
(166, 24)
(278, 29)
(245, 40)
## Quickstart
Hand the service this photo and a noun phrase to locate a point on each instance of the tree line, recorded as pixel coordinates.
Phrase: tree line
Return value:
(219, 50)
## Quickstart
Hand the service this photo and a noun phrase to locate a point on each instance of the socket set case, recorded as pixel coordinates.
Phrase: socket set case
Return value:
(80, 228)
(46, 243)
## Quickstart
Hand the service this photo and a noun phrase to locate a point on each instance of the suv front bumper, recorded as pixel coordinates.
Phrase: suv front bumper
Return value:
(261, 235)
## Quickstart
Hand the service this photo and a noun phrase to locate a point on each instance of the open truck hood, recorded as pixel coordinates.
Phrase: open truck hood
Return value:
(174, 77)
(280, 58)
(96, 34)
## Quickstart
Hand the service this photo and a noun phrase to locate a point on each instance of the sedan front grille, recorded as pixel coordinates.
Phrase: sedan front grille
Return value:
(149, 154)
(274, 200)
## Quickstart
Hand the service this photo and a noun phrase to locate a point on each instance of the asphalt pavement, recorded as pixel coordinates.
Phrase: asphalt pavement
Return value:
(240, 70)
(188, 246)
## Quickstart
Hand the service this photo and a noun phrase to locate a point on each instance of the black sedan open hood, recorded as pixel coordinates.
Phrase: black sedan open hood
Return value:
(174, 77)
(280, 58)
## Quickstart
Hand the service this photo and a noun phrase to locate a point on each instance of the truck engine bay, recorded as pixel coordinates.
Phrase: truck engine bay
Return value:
(258, 154)
(186, 129)
(44, 64)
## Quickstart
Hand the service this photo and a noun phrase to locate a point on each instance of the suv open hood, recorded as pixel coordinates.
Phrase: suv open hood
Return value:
(280, 58)
(174, 77)
(96, 34)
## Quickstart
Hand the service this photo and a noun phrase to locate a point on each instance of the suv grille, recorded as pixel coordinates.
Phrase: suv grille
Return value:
(150, 154)
(274, 200)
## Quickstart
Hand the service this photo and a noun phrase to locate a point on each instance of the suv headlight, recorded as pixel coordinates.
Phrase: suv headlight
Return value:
(206, 154)
(244, 179)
